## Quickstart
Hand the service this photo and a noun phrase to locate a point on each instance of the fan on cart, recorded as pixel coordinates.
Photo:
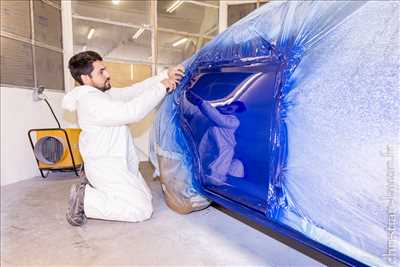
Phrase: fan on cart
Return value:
(55, 149)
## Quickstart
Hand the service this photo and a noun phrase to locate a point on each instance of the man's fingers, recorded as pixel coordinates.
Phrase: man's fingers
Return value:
(176, 79)
(179, 74)
(180, 68)
(173, 84)
(180, 71)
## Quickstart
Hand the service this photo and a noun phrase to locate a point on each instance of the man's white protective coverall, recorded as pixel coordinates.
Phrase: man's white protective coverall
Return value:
(118, 190)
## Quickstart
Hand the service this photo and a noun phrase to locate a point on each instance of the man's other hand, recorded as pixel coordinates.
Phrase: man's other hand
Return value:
(169, 84)
(176, 73)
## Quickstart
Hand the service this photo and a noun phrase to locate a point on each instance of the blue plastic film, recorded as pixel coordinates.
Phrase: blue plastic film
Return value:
(294, 113)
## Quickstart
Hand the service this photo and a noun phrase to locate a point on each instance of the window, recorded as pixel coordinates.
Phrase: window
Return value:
(184, 27)
(16, 62)
(47, 21)
(113, 42)
(120, 33)
(124, 74)
(128, 11)
(49, 66)
(237, 11)
(190, 17)
(31, 50)
(175, 48)
(16, 18)
(126, 33)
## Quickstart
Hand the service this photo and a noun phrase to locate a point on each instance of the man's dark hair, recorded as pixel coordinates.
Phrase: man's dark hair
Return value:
(226, 109)
(81, 64)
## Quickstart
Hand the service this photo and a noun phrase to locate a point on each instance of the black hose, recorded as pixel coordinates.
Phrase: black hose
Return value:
(54, 115)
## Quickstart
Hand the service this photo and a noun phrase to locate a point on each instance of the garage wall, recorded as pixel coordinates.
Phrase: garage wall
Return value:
(19, 114)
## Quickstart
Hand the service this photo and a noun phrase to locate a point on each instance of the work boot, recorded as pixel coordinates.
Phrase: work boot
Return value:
(83, 177)
(75, 214)
(84, 180)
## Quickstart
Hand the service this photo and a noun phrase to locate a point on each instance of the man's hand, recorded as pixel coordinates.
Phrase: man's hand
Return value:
(176, 73)
(169, 84)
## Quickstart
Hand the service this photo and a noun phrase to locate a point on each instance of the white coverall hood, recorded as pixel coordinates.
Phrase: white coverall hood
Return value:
(70, 101)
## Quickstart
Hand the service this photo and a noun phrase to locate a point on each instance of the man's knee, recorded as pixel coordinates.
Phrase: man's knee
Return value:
(145, 212)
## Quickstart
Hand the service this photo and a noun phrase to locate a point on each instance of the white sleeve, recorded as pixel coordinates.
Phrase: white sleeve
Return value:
(101, 110)
(127, 93)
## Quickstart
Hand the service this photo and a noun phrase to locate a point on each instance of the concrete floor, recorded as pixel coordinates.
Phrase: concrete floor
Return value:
(34, 232)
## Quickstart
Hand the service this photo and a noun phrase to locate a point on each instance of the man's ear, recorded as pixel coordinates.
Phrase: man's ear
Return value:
(86, 79)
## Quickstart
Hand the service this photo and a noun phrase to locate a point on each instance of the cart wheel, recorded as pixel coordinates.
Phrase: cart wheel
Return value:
(44, 173)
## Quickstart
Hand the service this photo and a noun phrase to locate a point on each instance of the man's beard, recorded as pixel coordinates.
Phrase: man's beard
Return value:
(105, 87)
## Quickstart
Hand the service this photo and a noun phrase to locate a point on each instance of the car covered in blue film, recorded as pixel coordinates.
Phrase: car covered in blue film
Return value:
(290, 117)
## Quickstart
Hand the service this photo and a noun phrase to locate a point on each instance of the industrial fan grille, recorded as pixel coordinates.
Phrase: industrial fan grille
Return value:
(49, 149)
